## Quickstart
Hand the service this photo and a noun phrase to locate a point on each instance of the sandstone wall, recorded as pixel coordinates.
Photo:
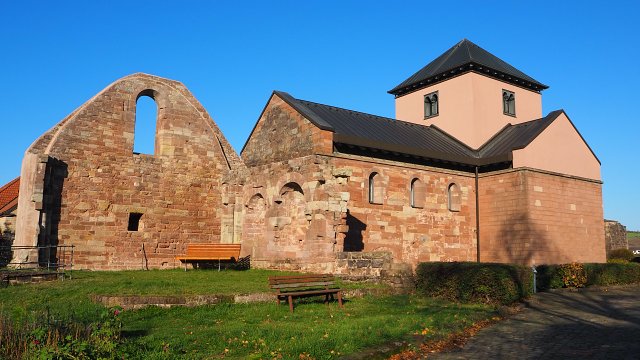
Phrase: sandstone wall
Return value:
(82, 180)
(300, 213)
(615, 235)
(282, 133)
(534, 217)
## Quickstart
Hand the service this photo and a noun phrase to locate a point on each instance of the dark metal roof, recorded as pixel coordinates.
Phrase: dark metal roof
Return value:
(376, 132)
(463, 57)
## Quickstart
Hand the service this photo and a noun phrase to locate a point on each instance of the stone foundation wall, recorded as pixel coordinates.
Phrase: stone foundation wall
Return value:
(362, 265)
(82, 181)
(615, 235)
(533, 217)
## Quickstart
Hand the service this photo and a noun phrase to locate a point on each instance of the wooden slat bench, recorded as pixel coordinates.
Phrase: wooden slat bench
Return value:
(210, 252)
(288, 287)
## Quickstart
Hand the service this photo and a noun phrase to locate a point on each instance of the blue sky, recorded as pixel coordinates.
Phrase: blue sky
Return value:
(55, 55)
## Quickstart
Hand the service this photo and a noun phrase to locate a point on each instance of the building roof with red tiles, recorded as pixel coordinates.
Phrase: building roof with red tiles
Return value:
(9, 196)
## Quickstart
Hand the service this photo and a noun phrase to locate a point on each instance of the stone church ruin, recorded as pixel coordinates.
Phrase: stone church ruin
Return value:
(471, 170)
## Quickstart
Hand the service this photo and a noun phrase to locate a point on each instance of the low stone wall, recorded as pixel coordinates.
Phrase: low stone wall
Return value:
(362, 265)
(615, 235)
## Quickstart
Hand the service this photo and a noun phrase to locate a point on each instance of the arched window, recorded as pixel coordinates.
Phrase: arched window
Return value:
(431, 105)
(144, 136)
(509, 102)
(453, 197)
(417, 193)
(375, 188)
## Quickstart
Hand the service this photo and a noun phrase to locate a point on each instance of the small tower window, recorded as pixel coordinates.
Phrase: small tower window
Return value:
(431, 105)
(509, 102)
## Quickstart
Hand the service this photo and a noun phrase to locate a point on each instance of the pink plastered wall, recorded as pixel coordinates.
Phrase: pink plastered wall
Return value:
(470, 107)
(561, 149)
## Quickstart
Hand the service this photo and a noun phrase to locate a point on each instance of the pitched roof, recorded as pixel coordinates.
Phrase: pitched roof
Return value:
(372, 131)
(397, 136)
(9, 195)
(463, 57)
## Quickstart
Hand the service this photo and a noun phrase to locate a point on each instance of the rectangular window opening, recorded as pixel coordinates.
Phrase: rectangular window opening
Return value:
(134, 221)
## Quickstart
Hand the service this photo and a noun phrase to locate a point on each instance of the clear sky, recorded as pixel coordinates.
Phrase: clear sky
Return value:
(55, 55)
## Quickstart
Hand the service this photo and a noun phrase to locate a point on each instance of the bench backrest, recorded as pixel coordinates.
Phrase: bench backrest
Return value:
(219, 250)
(294, 282)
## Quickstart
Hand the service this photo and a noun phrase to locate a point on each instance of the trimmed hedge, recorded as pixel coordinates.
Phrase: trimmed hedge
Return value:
(621, 254)
(475, 282)
(551, 276)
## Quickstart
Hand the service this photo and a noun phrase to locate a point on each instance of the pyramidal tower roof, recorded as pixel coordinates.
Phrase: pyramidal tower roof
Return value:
(463, 57)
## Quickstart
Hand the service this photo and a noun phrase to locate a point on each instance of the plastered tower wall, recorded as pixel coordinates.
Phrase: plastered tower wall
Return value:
(531, 217)
(82, 181)
(470, 107)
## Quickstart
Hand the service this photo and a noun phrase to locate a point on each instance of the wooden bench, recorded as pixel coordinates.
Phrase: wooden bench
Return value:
(288, 287)
(210, 252)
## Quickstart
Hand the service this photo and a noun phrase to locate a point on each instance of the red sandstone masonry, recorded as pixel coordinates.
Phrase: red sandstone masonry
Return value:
(178, 190)
(300, 208)
(533, 217)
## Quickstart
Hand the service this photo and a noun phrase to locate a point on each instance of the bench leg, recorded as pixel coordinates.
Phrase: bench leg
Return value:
(290, 303)
(340, 299)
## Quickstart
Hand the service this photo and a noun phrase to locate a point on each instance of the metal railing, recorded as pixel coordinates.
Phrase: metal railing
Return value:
(50, 257)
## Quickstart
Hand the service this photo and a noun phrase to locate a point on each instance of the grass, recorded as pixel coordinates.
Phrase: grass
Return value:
(633, 234)
(238, 331)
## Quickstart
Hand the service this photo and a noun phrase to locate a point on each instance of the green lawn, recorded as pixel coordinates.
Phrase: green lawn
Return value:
(633, 234)
(237, 331)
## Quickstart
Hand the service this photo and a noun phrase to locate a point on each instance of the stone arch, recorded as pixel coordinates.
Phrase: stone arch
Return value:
(376, 187)
(454, 198)
(294, 178)
(291, 224)
(417, 193)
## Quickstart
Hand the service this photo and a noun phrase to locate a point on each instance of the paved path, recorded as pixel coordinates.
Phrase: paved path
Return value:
(587, 324)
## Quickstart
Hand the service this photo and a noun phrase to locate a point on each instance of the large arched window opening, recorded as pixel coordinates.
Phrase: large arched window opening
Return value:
(453, 197)
(144, 137)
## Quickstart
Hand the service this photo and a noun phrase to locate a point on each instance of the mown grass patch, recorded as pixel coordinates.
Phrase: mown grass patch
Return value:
(260, 331)
(234, 331)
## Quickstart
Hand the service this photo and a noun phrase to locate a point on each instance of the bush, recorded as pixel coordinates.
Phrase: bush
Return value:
(474, 282)
(621, 254)
(561, 276)
(612, 273)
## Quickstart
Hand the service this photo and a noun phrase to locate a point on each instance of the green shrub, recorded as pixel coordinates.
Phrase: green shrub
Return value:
(560, 276)
(621, 254)
(612, 273)
(474, 282)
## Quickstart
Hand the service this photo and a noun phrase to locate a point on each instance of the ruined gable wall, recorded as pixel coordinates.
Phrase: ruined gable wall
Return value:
(282, 133)
(99, 181)
(534, 217)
